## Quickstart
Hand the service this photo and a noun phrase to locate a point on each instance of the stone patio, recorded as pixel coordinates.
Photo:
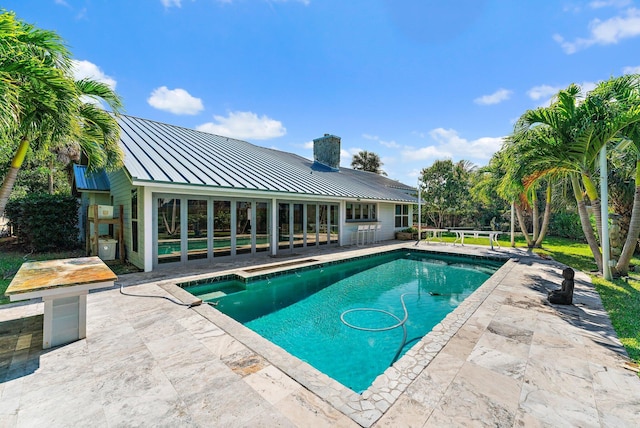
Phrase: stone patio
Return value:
(502, 358)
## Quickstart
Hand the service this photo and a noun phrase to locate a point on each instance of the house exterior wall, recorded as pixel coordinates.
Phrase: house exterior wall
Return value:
(144, 258)
(91, 198)
(121, 195)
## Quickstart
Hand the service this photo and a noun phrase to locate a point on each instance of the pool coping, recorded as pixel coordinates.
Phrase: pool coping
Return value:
(368, 407)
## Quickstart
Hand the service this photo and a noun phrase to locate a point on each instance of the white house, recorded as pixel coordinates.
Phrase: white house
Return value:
(193, 196)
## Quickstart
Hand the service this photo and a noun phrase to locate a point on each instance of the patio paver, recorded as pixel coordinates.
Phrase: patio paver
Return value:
(504, 358)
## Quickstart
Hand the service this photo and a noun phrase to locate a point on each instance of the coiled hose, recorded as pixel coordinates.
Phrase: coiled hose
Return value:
(400, 323)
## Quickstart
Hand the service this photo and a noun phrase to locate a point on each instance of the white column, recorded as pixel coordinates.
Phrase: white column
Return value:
(342, 219)
(274, 226)
(604, 211)
(149, 224)
(419, 210)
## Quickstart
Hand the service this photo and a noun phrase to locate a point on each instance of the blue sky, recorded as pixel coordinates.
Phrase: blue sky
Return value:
(412, 80)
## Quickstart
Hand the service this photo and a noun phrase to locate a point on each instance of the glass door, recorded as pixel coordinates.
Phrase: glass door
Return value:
(312, 225)
(284, 226)
(169, 244)
(298, 225)
(197, 232)
(323, 224)
(221, 228)
(243, 227)
(261, 227)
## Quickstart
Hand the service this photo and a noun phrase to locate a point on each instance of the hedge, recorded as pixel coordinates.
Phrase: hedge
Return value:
(44, 222)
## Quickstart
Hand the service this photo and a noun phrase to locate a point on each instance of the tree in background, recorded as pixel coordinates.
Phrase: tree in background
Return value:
(367, 161)
(42, 107)
(446, 190)
(521, 154)
(484, 191)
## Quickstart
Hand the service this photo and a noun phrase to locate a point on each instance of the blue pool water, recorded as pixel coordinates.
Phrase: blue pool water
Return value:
(312, 313)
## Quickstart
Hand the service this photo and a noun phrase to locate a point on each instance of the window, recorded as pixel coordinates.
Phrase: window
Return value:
(361, 212)
(402, 216)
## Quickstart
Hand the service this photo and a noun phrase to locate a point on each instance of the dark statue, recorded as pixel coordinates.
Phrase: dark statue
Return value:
(564, 296)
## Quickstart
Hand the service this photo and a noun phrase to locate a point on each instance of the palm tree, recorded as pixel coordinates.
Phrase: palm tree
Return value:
(626, 93)
(521, 152)
(580, 128)
(97, 131)
(43, 105)
(570, 151)
(367, 161)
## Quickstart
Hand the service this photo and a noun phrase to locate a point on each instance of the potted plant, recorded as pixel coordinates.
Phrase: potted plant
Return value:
(408, 234)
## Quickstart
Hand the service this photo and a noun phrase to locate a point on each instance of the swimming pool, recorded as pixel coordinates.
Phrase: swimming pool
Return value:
(324, 315)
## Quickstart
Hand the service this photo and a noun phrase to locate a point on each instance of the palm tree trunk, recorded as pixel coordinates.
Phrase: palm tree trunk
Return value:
(535, 216)
(12, 174)
(622, 267)
(523, 225)
(546, 218)
(585, 223)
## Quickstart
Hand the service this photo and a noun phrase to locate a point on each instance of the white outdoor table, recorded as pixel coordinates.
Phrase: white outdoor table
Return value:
(63, 286)
(433, 234)
(491, 234)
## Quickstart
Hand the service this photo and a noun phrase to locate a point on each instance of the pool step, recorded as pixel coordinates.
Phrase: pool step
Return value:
(212, 295)
(221, 292)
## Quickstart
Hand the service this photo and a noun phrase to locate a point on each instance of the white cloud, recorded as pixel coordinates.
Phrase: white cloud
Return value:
(427, 152)
(176, 101)
(450, 145)
(390, 144)
(178, 3)
(244, 124)
(495, 98)
(304, 2)
(598, 4)
(543, 91)
(588, 86)
(607, 32)
(170, 3)
(631, 70)
(346, 156)
(88, 70)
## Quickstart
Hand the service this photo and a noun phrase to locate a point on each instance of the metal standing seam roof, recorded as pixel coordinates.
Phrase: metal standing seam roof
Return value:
(158, 152)
(90, 181)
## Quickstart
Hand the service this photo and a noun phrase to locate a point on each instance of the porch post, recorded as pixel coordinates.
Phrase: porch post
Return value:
(274, 226)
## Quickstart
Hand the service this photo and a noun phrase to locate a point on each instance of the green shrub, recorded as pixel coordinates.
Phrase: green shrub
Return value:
(44, 222)
(566, 225)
